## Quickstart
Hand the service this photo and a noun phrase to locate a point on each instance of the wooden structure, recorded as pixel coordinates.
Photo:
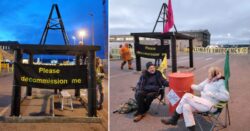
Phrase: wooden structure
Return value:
(173, 36)
(76, 51)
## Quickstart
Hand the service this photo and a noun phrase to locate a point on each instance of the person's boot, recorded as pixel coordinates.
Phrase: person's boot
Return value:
(171, 121)
(130, 67)
(191, 128)
(123, 63)
(138, 117)
(99, 107)
(136, 113)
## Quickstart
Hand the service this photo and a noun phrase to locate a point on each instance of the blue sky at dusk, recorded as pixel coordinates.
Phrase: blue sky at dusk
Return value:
(24, 21)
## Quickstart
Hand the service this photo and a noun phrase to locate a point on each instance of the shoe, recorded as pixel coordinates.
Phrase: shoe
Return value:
(138, 117)
(136, 114)
(191, 128)
(122, 64)
(99, 107)
(171, 121)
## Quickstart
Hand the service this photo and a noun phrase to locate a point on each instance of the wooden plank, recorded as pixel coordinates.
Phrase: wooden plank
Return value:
(50, 119)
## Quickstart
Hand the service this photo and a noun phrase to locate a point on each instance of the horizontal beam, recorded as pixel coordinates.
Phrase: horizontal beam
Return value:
(160, 35)
(56, 49)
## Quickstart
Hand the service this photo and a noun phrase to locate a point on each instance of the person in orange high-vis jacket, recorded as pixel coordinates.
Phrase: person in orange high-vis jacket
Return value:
(126, 56)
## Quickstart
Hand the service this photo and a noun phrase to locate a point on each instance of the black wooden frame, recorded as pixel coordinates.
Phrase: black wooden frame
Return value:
(87, 52)
(173, 36)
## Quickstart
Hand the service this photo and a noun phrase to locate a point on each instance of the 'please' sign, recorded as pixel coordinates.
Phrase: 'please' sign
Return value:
(50, 76)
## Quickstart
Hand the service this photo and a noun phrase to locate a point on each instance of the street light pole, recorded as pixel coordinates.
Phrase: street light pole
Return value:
(82, 34)
(93, 34)
(74, 39)
(82, 39)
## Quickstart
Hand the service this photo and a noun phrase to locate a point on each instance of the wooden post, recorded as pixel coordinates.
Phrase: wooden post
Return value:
(173, 51)
(91, 84)
(137, 58)
(29, 88)
(1, 62)
(16, 90)
(0, 66)
(77, 90)
(191, 62)
(8, 67)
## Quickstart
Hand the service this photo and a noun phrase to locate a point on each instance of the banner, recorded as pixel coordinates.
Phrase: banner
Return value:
(152, 51)
(51, 77)
(240, 50)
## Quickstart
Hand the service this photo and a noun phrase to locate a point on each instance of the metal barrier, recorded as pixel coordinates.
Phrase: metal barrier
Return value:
(4, 65)
(116, 55)
(242, 50)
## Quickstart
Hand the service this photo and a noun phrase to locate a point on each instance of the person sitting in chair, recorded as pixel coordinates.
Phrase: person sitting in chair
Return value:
(147, 89)
(212, 91)
(99, 78)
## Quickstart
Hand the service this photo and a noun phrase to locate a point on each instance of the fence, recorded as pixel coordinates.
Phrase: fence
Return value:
(115, 55)
(242, 50)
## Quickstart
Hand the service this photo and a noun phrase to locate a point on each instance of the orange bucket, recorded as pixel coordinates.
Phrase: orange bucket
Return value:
(180, 83)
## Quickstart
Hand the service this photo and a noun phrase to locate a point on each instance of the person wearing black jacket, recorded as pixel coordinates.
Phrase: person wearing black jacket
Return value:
(147, 89)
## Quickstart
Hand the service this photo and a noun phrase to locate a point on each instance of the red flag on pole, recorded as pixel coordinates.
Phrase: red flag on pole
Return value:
(170, 18)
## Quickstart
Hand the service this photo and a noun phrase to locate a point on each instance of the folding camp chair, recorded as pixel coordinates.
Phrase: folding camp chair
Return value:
(160, 98)
(214, 117)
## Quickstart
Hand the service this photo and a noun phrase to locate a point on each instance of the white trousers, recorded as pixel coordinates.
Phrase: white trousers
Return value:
(189, 104)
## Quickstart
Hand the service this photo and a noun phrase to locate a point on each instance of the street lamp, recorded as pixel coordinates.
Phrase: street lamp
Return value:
(74, 39)
(82, 33)
(93, 34)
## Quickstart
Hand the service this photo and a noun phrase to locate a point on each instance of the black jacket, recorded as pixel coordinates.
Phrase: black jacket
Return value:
(151, 82)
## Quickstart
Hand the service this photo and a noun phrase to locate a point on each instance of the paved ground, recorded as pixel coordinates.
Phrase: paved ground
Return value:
(122, 80)
(38, 106)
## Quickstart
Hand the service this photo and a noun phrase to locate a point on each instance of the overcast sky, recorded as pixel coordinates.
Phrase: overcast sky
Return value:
(226, 20)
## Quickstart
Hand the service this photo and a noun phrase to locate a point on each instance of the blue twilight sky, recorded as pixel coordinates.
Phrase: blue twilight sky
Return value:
(24, 21)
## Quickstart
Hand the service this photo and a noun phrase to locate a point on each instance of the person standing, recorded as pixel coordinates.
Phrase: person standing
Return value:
(126, 56)
(99, 79)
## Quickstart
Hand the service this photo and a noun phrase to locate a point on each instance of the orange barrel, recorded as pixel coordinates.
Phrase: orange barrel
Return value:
(180, 83)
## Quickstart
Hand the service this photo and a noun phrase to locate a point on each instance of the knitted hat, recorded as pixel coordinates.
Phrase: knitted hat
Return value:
(149, 64)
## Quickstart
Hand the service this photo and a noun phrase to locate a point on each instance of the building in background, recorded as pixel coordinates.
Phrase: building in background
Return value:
(202, 39)
(6, 45)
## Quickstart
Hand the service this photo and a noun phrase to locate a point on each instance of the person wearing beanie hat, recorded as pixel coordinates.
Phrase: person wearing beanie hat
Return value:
(149, 64)
(147, 89)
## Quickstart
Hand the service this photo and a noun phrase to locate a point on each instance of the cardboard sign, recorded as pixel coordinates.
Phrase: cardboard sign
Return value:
(173, 97)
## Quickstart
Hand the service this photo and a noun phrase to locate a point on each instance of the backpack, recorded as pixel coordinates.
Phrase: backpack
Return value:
(127, 107)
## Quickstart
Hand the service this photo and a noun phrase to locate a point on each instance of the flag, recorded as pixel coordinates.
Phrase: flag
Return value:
(170, 18)
(227, 70)
(163, 66)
